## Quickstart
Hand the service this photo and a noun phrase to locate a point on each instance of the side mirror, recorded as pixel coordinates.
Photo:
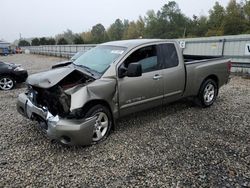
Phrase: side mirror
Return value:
(134, 70)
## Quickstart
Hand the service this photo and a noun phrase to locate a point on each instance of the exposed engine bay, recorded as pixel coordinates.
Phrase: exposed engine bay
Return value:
(55, 99)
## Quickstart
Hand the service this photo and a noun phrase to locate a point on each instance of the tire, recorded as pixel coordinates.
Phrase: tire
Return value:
(103, 123)
(208, 93)
(7, 83)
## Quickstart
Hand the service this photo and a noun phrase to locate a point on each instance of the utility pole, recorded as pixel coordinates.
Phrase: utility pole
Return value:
(184, 32)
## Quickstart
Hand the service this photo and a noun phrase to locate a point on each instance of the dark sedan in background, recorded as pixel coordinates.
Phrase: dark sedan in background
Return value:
(10, 74)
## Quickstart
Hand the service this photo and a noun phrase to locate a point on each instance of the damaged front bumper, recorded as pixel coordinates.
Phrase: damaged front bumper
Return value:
(67, 131)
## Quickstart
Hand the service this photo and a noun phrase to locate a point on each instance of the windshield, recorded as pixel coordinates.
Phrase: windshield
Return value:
(99, 58)
(74, 57)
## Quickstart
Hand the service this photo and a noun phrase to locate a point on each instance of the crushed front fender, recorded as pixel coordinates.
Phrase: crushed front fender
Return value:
(67, 131)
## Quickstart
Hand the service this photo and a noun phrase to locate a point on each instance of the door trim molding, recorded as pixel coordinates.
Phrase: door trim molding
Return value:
(172, 93)
(141, 102)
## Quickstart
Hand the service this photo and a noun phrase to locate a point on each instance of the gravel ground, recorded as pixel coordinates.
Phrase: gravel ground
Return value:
(179, 145)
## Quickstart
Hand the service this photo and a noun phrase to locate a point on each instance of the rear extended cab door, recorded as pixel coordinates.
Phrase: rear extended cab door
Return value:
(174, 74)
(146, 91)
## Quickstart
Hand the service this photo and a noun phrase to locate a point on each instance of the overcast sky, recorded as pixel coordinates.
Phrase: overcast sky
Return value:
(37, 18)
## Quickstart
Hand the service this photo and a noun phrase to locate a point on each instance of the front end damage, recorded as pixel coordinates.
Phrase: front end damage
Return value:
(48, 101)
(67, 131)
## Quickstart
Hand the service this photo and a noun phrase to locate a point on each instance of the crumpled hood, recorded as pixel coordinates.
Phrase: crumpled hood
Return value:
(61, 64)
(49, 78)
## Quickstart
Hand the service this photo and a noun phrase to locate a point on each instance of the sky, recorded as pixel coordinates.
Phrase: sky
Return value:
(46, 18)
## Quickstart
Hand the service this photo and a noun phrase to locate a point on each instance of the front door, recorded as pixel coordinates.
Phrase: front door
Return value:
(146, 91)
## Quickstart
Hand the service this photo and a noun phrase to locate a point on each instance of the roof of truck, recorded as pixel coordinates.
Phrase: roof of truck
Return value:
(132, 43)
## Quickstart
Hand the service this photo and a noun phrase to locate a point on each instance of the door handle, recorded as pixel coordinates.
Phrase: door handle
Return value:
(157, 77)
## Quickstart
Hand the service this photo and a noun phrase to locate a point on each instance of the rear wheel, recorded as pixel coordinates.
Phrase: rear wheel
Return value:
(103, 122)
(6, 83)
(208, 93)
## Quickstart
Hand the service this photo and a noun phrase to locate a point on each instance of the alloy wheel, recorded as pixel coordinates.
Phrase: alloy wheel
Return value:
(101, 126)
(6, 83)
(209, 93)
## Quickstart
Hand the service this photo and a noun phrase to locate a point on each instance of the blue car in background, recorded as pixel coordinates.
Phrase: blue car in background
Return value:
(4, 51)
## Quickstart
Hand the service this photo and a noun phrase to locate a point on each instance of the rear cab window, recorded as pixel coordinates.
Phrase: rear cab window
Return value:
(168, 56)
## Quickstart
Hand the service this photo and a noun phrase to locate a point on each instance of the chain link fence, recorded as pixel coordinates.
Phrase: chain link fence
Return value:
(58, 50)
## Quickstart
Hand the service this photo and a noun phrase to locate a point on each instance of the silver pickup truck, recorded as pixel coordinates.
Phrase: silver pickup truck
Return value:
(78, 103)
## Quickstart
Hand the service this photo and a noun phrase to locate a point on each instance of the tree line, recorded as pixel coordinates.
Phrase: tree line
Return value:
(169, 22)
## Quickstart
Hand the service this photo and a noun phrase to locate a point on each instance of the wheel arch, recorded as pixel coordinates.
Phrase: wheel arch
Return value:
(213, 77)
(94, 102)
(13, 76)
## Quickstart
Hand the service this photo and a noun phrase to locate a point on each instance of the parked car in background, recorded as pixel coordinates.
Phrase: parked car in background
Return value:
(10, 74)
(80, 102)
(4, 51)
(18, 50)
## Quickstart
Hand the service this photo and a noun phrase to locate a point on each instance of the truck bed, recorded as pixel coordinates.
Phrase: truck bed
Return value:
(198, 68)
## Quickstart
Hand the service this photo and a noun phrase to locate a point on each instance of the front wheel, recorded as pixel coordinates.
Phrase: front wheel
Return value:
(7, 83)
(103, 122)
(208, 93)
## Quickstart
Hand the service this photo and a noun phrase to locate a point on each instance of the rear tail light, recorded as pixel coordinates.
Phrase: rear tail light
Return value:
(229, 66)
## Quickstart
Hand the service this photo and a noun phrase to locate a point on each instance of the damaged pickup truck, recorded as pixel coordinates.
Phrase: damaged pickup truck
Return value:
(78, 103)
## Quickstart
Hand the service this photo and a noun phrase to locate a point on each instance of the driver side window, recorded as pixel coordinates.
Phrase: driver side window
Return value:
(146, 56)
